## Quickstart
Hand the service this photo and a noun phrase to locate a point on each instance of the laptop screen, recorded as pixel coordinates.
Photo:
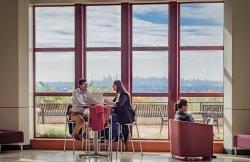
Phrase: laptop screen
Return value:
(95, 98)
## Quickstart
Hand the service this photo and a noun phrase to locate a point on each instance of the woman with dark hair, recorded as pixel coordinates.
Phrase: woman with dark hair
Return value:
(123, 112)
(181, 111)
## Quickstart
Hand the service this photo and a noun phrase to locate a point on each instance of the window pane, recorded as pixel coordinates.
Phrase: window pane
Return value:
(102, 69)
(202, 24)
(150, 72)
(149, 110)
(104, 26)
(55, 27)
(55, 71)
(150, 25)
(51, 126)
(201, 71)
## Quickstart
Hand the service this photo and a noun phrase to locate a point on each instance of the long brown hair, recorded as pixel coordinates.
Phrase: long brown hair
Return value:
(120, 88)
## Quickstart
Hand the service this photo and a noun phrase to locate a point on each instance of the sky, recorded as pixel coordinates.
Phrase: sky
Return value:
(201, 24)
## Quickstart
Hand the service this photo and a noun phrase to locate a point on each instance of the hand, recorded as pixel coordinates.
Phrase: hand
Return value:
(106, 101)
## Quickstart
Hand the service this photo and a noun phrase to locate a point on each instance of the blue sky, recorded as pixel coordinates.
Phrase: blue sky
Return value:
(201, 24)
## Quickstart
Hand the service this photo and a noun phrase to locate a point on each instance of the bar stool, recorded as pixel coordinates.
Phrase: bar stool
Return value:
(130, 127)
(70, 124)
(67, 123)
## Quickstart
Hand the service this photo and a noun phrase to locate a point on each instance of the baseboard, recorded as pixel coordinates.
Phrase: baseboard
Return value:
(147, 145)
(239, 151)
(14, 147)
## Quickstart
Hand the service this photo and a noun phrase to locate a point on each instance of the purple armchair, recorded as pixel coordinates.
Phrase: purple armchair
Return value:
(189, 139)
(11, 136)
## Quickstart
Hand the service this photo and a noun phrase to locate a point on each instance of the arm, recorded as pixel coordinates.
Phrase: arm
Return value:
(78, 99)
(122, 100)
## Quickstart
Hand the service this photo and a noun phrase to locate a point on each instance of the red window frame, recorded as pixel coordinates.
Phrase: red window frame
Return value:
(126, 49)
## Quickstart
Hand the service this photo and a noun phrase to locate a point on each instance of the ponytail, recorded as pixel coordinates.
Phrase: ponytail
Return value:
(180, 104)
(176, 107)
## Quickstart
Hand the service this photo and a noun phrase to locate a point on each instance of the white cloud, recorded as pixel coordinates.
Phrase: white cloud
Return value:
(144, 9)
(103, 64)
(55, 67)
(56, 29)
(201, 35)
(103, 26)
(150, 64)
(202, 65)
(203, 11)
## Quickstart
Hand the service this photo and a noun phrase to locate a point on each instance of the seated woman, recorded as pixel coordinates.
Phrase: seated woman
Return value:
(181, 111)
(123, 112)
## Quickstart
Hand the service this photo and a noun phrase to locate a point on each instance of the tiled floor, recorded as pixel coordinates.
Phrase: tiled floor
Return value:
(60, 156)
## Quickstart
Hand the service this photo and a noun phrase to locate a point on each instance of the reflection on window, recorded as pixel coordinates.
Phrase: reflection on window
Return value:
(103, 26)
(102, 69)
(202, 24)
(150, 25)
(150, 72)
(55, 27)
(201, 71)
(55, 72)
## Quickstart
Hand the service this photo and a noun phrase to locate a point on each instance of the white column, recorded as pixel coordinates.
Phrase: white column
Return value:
(14, 67)
(236, 69)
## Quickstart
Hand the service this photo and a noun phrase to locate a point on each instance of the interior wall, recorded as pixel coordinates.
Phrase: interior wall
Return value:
(14, 67)
(236, 73)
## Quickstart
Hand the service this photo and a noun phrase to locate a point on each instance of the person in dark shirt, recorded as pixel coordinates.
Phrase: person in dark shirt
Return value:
(123, 112)
(181, 111)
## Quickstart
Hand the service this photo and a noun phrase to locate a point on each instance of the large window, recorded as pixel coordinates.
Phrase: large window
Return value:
(103, 32)
(201, 61)
(54, 55)
(150, 67)
(130, 42)
(150, 42)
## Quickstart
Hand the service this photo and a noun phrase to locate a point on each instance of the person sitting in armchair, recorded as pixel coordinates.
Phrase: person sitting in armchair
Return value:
(181, 111)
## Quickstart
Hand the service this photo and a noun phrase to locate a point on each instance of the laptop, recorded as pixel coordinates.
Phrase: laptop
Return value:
(210, 121)
(95, 98)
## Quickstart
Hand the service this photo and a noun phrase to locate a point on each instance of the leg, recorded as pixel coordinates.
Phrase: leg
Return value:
(115, 126)
(131, 138)
(161, 125)
(217, 125)
(235, 151)
(125, 132)
(117, 148)
(139, 138)
(21, 145)
(78, 118)
(64, 145)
